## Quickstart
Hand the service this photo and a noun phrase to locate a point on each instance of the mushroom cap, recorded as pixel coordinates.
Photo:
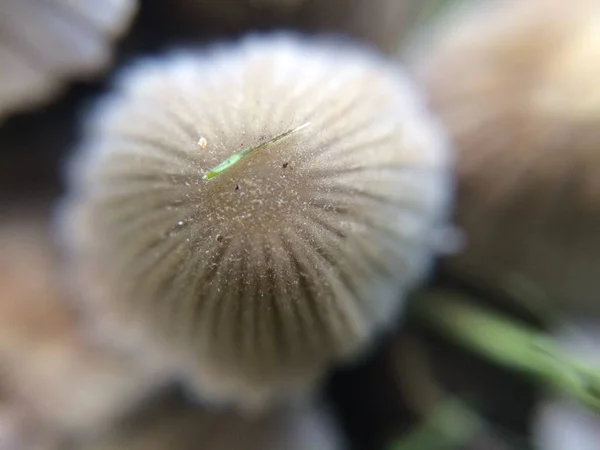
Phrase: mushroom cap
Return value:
(54, 380)
(45, 43)
(516, 85)
(260, 278)
(183, 427)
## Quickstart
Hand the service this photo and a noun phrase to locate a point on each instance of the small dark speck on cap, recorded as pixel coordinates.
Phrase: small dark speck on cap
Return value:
(237, 187)
(285, 165)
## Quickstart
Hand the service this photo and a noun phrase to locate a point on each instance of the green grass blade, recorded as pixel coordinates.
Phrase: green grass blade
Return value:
(237, 157)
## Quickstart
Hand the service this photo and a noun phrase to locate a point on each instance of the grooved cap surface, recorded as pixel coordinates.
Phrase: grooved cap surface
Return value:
(290, 259)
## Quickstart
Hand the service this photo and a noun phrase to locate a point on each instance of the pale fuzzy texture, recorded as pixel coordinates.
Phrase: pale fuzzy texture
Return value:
(516, 84)
(54, 382)
(560, 424)
(183, 427)
(261, 278)
(45, 43)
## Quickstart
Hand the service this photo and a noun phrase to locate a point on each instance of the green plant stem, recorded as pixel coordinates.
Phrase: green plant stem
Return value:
(237, 157)
(508, 343)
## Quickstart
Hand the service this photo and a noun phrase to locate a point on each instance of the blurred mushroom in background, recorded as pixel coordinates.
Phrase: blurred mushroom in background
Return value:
(44, 44)
(257, 212)
(516, 84)
(560, 423)
(54, 383)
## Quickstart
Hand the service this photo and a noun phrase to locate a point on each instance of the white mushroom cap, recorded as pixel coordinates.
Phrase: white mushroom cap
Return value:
(516, 85)
(45, 43)
(54, 381)
(263, 276)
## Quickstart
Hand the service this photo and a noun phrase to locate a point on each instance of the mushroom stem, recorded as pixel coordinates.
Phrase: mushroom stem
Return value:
(509, 343)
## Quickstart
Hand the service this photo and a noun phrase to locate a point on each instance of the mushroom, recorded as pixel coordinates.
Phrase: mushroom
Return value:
(54, 382)
(45, 43)
(256, 212)
(516, 85)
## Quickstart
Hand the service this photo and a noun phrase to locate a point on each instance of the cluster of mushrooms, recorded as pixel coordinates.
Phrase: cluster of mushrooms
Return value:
(243, 216)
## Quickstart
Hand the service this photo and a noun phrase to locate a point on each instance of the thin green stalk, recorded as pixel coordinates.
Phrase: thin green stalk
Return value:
(509, 343)
(237, 157)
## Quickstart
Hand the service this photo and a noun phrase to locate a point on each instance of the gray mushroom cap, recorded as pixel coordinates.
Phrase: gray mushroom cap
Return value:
(46, 43)
(258, 279)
